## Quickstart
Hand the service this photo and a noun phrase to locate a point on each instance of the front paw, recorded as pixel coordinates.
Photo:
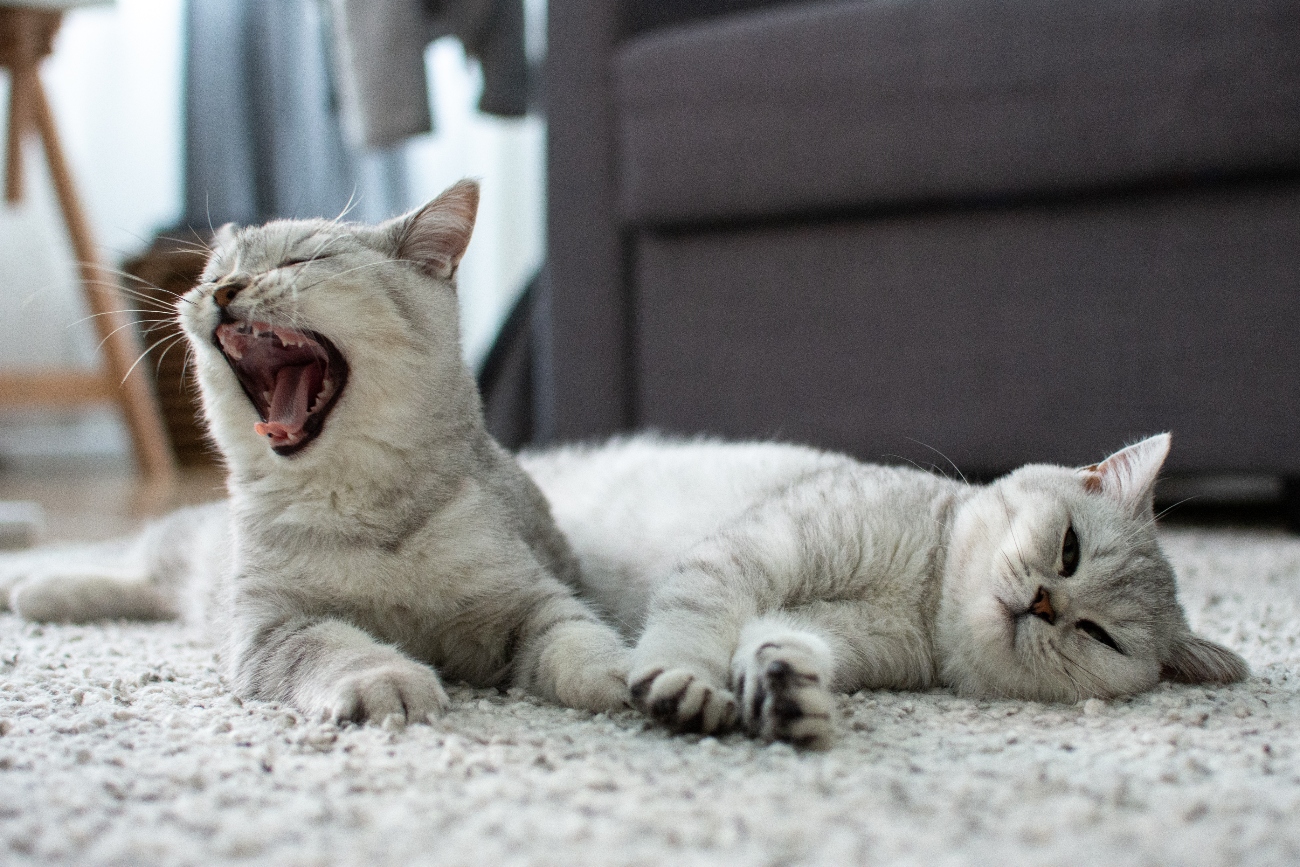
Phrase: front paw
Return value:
(405, 692)
(587, 664)
(783, 697)
(683, 699)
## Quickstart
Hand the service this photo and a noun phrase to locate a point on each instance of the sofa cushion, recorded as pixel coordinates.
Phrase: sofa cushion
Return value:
(997, 336)
(851, 106)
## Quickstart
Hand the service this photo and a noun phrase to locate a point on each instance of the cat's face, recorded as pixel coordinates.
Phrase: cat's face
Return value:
(310, 336)
(1056, 588)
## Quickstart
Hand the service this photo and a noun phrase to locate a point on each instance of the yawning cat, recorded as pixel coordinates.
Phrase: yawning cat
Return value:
(374, 531)
(759, 578)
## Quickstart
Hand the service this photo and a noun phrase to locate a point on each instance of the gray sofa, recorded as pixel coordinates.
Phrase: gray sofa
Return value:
(1004, 230)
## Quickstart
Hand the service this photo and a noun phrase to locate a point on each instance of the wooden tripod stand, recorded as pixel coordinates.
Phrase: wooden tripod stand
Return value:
(26, 36)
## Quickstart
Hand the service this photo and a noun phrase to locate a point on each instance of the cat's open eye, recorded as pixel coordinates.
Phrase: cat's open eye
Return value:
(1098, 634)
(1069, 553)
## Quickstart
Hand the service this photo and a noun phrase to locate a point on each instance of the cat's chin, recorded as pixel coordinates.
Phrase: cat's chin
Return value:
(292, 377)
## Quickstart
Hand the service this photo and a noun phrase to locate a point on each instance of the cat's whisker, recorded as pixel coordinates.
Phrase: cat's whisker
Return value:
(346, 272)
(163, 355)
(1155, 518)
(955, 468)
(1010, 565)
(145, 353)
(110, 334)
(185, 366)
(195, 246)
(125, 275)
(117, 286)
(353, 201)
(1099, 683)
(140, 314)
(1012, 530)
(142, 297)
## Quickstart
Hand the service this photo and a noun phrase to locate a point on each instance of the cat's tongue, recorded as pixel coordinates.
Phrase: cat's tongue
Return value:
(293, 390)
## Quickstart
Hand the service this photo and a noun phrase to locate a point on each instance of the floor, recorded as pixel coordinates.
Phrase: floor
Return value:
(88, 500)
(121, 744)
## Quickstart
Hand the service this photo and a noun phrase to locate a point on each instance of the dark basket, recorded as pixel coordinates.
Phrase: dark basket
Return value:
(168, 269)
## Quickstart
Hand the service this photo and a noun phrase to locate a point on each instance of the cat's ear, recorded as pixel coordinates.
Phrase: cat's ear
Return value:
(1195, 660)
(1129, 475)
(435, 237)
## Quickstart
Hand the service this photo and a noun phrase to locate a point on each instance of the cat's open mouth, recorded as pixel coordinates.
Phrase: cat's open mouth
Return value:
(293, 378)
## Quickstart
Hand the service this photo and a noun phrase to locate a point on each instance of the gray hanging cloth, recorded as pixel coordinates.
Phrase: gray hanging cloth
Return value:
(379, 61)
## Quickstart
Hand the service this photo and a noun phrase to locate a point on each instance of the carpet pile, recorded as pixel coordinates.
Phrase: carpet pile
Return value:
(119, 745)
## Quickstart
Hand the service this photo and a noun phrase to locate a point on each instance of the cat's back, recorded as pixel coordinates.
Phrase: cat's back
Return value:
(630, 507)
(652, 485)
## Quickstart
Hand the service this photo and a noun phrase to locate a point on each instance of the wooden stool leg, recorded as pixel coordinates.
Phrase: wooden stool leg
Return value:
(114, 325)
(18, 114)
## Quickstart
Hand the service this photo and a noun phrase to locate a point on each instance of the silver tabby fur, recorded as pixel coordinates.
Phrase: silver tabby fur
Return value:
(402, 544)
(759, 578)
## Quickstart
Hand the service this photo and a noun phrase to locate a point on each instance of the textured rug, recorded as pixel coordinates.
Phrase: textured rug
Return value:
(119, 745)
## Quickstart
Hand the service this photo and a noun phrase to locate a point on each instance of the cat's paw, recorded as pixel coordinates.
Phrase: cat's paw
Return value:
(405, 692)
(587, 664)
(683, 699)
(784, 697)
(86, 598)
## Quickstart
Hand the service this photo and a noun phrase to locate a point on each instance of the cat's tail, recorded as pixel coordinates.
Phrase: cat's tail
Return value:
(146, 577)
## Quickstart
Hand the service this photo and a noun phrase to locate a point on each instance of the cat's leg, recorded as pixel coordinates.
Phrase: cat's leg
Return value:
(680, 663)
(683, 686)
(795, 559)
(135, 579)
(90, 596)
(566, 654)
(790, 663)
(332, 670)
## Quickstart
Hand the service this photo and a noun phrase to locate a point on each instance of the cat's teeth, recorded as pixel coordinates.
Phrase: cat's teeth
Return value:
(232, 350)
(291, 338)
(326, 392)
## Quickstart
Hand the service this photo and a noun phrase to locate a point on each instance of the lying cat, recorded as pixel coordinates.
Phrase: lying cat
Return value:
(760, 578)
(374, 531)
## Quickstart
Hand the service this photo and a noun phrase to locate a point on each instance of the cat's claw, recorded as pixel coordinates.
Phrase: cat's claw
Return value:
(684, 700)
(400, 694)
(784, 698)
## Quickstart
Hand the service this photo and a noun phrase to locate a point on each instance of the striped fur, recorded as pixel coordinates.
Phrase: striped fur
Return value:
(401, 545)
(757, 579)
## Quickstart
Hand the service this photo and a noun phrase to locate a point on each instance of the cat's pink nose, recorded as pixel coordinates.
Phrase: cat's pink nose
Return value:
(1042, 606)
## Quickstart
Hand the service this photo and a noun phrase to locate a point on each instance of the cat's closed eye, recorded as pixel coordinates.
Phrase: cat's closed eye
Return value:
(1069, 553)
(301, 260)
(1098, 634)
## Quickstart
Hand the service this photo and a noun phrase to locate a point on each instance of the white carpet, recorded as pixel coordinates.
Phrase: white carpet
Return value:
(120, 746)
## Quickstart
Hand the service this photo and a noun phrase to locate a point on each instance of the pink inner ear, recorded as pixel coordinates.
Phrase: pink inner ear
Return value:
(436, 236)
(1129, 475)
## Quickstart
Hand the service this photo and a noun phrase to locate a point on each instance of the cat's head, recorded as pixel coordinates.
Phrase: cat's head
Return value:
(1056, 588)
(314, 336)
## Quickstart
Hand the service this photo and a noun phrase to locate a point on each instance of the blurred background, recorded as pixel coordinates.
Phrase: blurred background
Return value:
(177, 115)
(964, 234)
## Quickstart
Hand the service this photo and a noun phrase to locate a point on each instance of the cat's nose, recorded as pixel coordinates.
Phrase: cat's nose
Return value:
(1042, 606)
(226, 292)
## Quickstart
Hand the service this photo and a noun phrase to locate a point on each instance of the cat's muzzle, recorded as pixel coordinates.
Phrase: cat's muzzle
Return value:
(292, 377)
